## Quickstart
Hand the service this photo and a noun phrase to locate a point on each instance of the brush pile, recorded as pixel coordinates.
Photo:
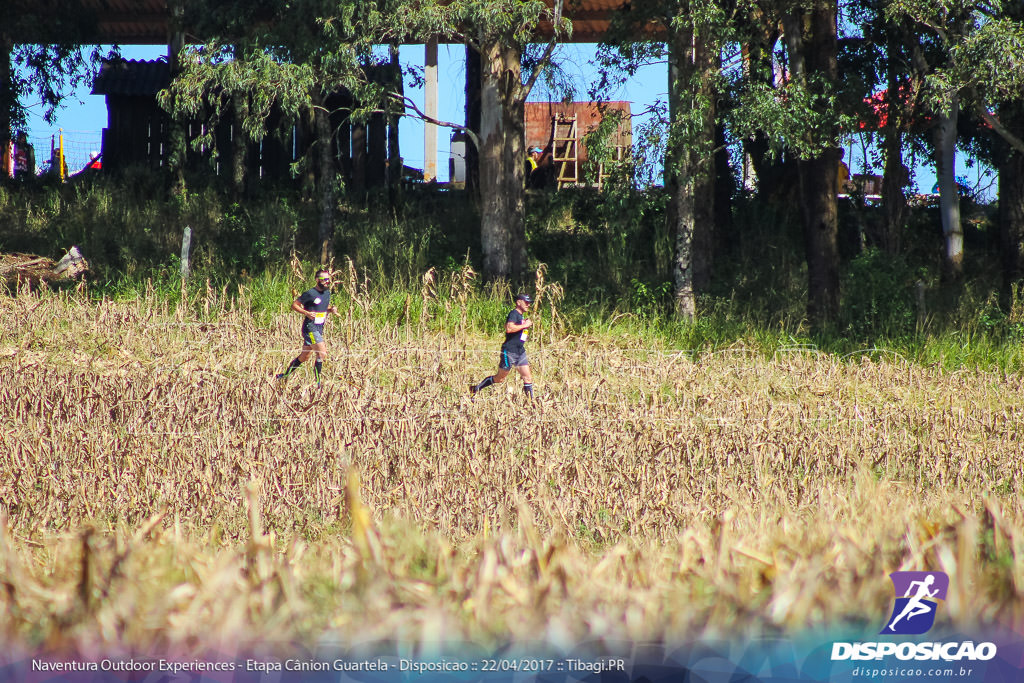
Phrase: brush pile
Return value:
(30, 270)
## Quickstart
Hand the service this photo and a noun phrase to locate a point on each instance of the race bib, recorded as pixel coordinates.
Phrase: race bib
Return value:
(319, 318)
(523, 335)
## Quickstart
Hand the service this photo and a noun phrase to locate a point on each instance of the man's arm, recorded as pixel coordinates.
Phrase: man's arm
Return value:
(512, 328)
(298, 308)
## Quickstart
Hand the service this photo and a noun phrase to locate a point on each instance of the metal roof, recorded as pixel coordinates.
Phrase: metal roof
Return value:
(132, 77)
(146, 22)
(131, 22)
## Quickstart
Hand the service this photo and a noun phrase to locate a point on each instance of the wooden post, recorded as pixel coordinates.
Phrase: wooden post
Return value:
(186, 248)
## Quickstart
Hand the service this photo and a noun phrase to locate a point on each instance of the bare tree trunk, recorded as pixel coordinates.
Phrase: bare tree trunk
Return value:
(515, 177)
(176, 131)
(815, 52)
(472, 121)
(8, 97)
(949, 196)
(239, 153)
(358, 159)
(1011, 205)
(895, 176)
(681, 218)
(327, 181)
(706, 60)
(679, 174)
(818, 178)
(396, 165)
(502, 220)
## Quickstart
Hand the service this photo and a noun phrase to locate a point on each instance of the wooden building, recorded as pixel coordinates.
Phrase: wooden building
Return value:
(137, 128)
(138, 132)
(560, 129)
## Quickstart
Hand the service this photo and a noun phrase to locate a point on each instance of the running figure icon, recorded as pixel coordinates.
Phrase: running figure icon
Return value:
(917, 601)
(916, 605)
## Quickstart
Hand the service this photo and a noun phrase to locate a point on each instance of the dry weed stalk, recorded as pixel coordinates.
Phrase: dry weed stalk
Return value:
(428, 293)
(648, 496)
(461, 288)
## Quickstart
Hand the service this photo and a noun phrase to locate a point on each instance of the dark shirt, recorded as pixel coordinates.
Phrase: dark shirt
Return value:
(315, 301)
(514, 341)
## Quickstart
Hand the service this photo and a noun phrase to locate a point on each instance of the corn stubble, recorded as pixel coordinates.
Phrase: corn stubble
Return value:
(159, 494)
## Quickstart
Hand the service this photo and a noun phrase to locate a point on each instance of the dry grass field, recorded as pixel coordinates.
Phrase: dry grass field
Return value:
(159, 493)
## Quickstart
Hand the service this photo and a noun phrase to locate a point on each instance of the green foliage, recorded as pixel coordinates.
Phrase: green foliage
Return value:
(800, 118)
(878, 298)
(608, 250)
(282, 65)
(60, 57)
(253, 239)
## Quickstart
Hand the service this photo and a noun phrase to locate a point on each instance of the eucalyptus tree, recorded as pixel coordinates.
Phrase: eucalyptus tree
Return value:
(812, 45)
(980, 68)
(500, 32)
(887, 57)
(689, 35)
(804, 115)
(986, 68)
(696, 31)
(262, 63)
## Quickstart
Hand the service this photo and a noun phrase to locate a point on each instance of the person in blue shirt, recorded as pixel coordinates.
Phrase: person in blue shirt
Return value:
(314, 305)
(513, 351)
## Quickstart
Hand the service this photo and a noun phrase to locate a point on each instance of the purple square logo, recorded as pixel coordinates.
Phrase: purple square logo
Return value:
(917, 596)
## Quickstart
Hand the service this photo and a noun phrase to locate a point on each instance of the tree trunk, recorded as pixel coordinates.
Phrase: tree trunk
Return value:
(327, 181)
(1011, 204)
(239, 153)
(725, 186)
(8, 96)
(502, 219)
(689, 165)
(396, 165)
(177, 144)
(472, 121)
(359, 160)
(679, 175)
(895, 176)
(818, 179)
(949, 196)
(816, 53)
(706, 61)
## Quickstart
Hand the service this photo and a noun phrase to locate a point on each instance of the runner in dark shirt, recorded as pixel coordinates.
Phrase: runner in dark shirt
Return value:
(314, 305)
(513, 351)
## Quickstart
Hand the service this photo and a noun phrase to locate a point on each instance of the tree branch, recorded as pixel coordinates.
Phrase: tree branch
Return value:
(406, 101)
(548, 51)
(998, 127)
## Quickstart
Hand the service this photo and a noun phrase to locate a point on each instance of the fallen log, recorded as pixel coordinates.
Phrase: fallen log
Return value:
(18, 270)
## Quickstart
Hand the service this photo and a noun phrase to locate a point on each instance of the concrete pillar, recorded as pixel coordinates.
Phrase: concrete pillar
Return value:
(430, 109)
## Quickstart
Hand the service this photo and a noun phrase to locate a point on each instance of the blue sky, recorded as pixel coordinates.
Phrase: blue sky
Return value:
(84, 116)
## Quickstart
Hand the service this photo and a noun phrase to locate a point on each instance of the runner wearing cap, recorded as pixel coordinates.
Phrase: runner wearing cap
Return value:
(314, 305)
(513, 351)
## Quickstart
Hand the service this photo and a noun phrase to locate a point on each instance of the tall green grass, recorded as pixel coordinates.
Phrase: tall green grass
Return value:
(610, 255)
